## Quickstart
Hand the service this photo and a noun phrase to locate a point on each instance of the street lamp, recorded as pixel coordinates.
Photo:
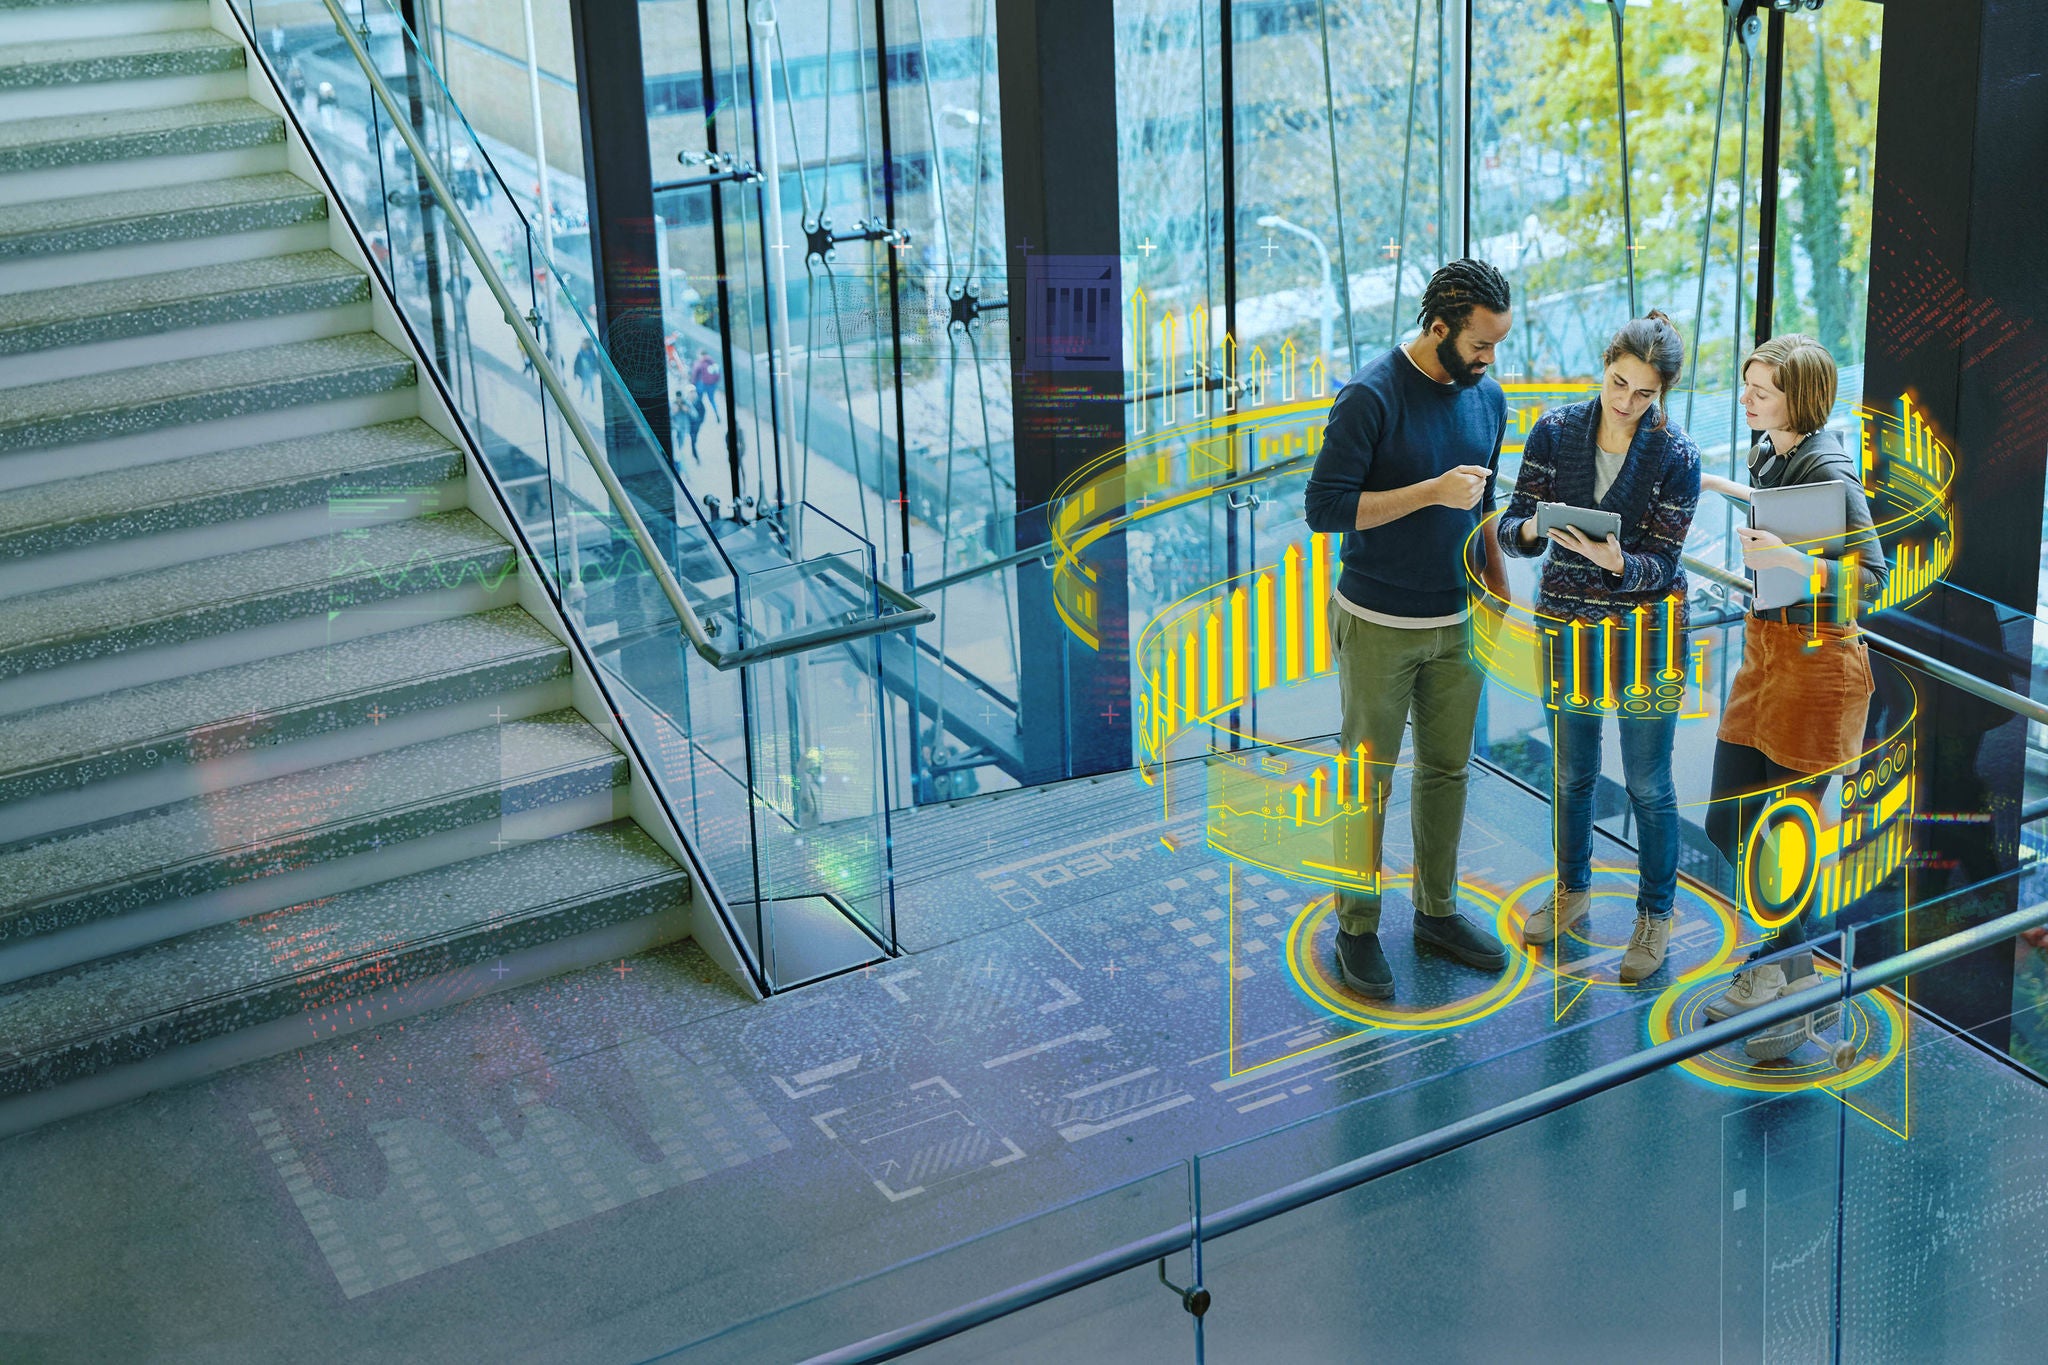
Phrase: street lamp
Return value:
(1274, 220)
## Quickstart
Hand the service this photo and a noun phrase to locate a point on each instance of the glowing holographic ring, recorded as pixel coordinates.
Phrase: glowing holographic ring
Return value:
(1545, 956)
(1633, 663)
(1796, 862)
(1311, 971)
(1875, 1022)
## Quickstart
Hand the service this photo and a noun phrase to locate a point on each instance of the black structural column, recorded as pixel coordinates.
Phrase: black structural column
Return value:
(611, 93)
(1959, 319)
(1767, 203)
(1057, 68)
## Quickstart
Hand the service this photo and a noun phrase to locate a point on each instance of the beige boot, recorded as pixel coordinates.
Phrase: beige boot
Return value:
(1559, 913)
(1780, 1041)
(1753, 986)
(1646, 946)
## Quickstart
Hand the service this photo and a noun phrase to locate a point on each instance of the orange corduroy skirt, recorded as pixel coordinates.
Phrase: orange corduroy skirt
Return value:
(1803, 705)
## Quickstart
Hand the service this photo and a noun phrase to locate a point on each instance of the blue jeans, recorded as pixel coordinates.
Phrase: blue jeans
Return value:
(1646, 771)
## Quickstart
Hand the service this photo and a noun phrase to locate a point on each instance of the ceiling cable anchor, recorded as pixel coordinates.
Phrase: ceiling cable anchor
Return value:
(966, 307)
(820, 239)
(720, 168)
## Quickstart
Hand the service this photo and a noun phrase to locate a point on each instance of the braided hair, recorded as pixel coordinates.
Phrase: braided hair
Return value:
(1457, 288)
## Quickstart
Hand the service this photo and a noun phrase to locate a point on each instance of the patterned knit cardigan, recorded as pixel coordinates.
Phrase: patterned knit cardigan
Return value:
(1655, 493)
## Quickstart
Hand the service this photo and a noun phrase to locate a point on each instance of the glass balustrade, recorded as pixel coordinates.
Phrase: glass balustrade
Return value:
(794, 774)
(739, 657)
(1866, 1195)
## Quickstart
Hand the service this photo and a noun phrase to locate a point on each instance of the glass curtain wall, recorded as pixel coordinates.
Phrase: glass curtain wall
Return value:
(521, 101)
(1290, 171)
(889, 253)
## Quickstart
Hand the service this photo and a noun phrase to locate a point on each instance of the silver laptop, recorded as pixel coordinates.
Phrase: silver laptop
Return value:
(1812, 518)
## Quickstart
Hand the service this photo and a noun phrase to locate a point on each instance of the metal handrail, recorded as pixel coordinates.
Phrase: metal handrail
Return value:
(908, 612)
(1955, 677)
(1427, 1146)
(1044, 553)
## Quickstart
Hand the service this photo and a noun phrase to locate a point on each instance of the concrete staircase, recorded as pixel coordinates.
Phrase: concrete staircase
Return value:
(280, 751)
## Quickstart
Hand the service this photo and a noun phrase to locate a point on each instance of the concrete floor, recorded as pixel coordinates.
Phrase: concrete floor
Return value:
(628, 1161)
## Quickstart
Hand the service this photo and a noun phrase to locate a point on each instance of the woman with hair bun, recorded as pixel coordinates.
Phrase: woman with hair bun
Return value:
(1618, 453)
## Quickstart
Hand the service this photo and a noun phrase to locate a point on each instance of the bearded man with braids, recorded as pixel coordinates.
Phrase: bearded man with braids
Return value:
(1406, 474)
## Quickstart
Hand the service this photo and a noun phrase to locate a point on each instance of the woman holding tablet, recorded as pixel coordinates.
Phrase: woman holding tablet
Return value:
(1618, 453)
(1796, 709)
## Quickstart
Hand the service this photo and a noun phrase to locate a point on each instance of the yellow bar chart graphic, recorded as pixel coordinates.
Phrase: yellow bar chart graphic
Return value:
(1908, 473)
(1212, 651)
(1296, 811)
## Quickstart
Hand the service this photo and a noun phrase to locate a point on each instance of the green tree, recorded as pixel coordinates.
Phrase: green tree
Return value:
(1820, 204)
(1561, 98)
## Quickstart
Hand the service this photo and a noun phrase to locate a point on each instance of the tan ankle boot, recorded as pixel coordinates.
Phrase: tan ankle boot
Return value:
(1646, 946)
(1753, 986)
(1559, 913)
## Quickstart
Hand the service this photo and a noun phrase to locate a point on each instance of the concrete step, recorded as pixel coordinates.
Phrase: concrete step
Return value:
(240, 607)
(49, 334)
(102, 525)
(227, 855)
(102, 236)
(117, 57)
(90, 759)
(84, 425)
(43, 21)
(308, 961)
(120, 71)
(124, 149)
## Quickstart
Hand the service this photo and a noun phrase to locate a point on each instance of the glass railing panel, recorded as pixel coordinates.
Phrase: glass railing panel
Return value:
(1129, 1315)
(955, 685)
(630, 556)
(1942, 1218)
(689, 716)
(1591, 1232)
(818, 761)
(1421, 1061)
(1720, 1181)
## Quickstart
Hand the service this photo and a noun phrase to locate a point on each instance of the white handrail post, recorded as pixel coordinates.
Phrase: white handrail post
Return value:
(540, 145)
(764, 21)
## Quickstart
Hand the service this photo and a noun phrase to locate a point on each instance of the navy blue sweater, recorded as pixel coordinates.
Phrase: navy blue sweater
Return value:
(1656, 492)
(1393, 426)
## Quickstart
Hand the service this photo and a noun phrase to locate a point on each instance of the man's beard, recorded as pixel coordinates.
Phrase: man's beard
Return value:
(1463, 373)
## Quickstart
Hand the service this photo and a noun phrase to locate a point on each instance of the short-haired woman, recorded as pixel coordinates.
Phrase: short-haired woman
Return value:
(1619, 453)
(1796, 709)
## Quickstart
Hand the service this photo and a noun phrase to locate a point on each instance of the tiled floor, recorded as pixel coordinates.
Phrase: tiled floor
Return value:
(612, 1164)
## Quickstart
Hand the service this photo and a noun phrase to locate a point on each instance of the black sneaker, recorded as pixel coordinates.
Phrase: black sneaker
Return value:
(1364, 966)
(1462, 939)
